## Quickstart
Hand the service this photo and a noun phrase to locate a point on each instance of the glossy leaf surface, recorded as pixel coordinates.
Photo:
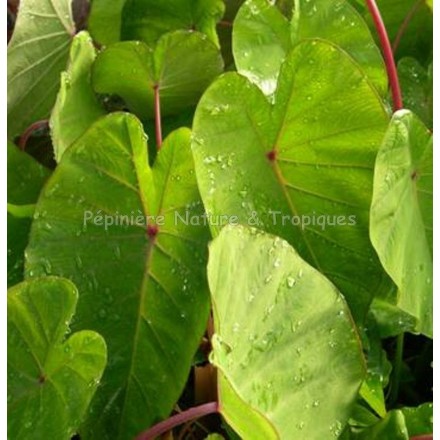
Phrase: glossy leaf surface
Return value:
(308, 157)
(141, 279)
(51, 377)
(402, 210)
(263, 36)
(132, 69)
(285, 345)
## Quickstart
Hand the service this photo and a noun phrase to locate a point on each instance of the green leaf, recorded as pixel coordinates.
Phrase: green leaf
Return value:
(416, 35)
(419, 420)
(391, 427)
(148, 20)
(76, 107)
(430, 3)
(285, 346)
(21, 211)
(416, 83)
(145, 292)
(390, 320)
(25, 180)
(263, 36)
(51, 379)
(378, 369)
(401, 214)
(310, 155)
(37, 53)
(104, 22)
(360, 417)
(131, 70)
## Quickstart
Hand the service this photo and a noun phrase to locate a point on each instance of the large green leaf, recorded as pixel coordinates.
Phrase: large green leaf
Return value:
(25, 180)
(142, 281)
(310, 154)
(416, 83)
(262, 37)
(51, 380)
(285, 346)
(131, 70)
(401, 214)
(76, 107)
(104, 22)
(148, 20)
(37, 53)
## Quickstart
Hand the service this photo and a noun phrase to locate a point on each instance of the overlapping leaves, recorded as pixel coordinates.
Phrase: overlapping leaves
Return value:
(50, 380)
(309, 155)
(402, 210)
(132, 70)
(141, 279)
(284, 343)
(263, 36)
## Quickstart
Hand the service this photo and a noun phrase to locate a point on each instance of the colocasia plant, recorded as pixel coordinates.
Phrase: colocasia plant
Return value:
(220, 219)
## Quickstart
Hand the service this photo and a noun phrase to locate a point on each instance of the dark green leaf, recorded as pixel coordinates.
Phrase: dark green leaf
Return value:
(285, 345)
(51, 380)
(76, 107)
(310, 154)
(148, 20)
(416, 34)
(104, 23)
(419, 420)
(131, 70)
(37, 53)
(401, 214)
(390, 320)
(25, 180)
(145, 293)
(416, 85)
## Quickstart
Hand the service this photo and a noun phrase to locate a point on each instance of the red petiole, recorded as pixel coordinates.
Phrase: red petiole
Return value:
(387, 54)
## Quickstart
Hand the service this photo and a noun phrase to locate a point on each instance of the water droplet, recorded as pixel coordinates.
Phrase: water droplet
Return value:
(291, 282)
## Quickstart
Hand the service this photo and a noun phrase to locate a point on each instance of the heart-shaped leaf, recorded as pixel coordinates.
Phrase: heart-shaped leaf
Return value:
(50, 380)
(301, 168)
(25, 180)
(76, 107)
(132, 70)
(148, 20)
(285, 346)
(37, 53)
(401, 210)
(111, 223)
(263, 36)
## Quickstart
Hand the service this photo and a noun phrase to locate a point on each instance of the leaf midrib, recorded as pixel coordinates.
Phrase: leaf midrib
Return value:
(146, 274)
